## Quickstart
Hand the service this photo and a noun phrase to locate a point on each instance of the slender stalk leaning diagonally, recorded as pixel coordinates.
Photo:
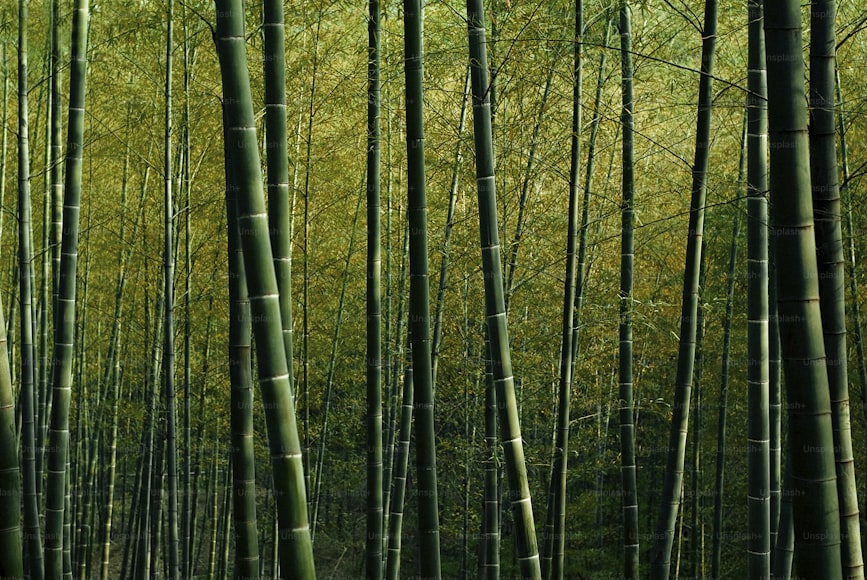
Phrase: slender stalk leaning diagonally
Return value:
(495, 309)
(554, 542)
(673, 484)
(296, 548)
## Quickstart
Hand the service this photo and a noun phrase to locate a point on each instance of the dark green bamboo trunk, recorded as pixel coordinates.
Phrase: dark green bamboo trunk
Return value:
(398, 361)
(155, 503)
(450, 223)
(374, 543)
(489, 542)
(42, 373)
(169, 325)
(722, 401)
(12, 561)
(4, 134)
(241, 377)
(829, 245)
(186, 504)
(26, 391)
(775, 408)
(56, 210)
(629, 491)
(277, 148)
(296, 552)
(401, 459)
(851, 262)
(419, 296)
(54, 172)
(328, 397)
(527, 551)
(695, 536)
(673, 483)
(811, 439)
(554, 546)
(784, 549)
(58, 436)
(758, 372)
(56, 153)
(716, 552)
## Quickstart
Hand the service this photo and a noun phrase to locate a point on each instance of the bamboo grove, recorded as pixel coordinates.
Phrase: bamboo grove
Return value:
(552, 289)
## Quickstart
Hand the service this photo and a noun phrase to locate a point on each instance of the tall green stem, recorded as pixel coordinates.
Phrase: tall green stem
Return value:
(627, 258)
(673, 483)
(553, 552)
(296, 550)
(495, 308)
(64, 330)
(12, 564)
(722, 400)
(758, 372)
(374, 562)
(241, 377)
(832, 293)
(26, 392)
(277, 148)
(419, 295)
(169, 304)
(811, 439)
(850, 248)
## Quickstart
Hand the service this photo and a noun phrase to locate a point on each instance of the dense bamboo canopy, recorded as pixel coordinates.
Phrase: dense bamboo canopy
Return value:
(86, 335)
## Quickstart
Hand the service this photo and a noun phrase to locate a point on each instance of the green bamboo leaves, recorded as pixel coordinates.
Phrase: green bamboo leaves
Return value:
(495, 310)
(811, 439)
(296, 550)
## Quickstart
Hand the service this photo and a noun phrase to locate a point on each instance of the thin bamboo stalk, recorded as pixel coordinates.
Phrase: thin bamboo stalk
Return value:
(673, 483)
(419, 295)
(375, 519)
(32, 531)
(554, 547)
(527, 551)
(296, 552)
